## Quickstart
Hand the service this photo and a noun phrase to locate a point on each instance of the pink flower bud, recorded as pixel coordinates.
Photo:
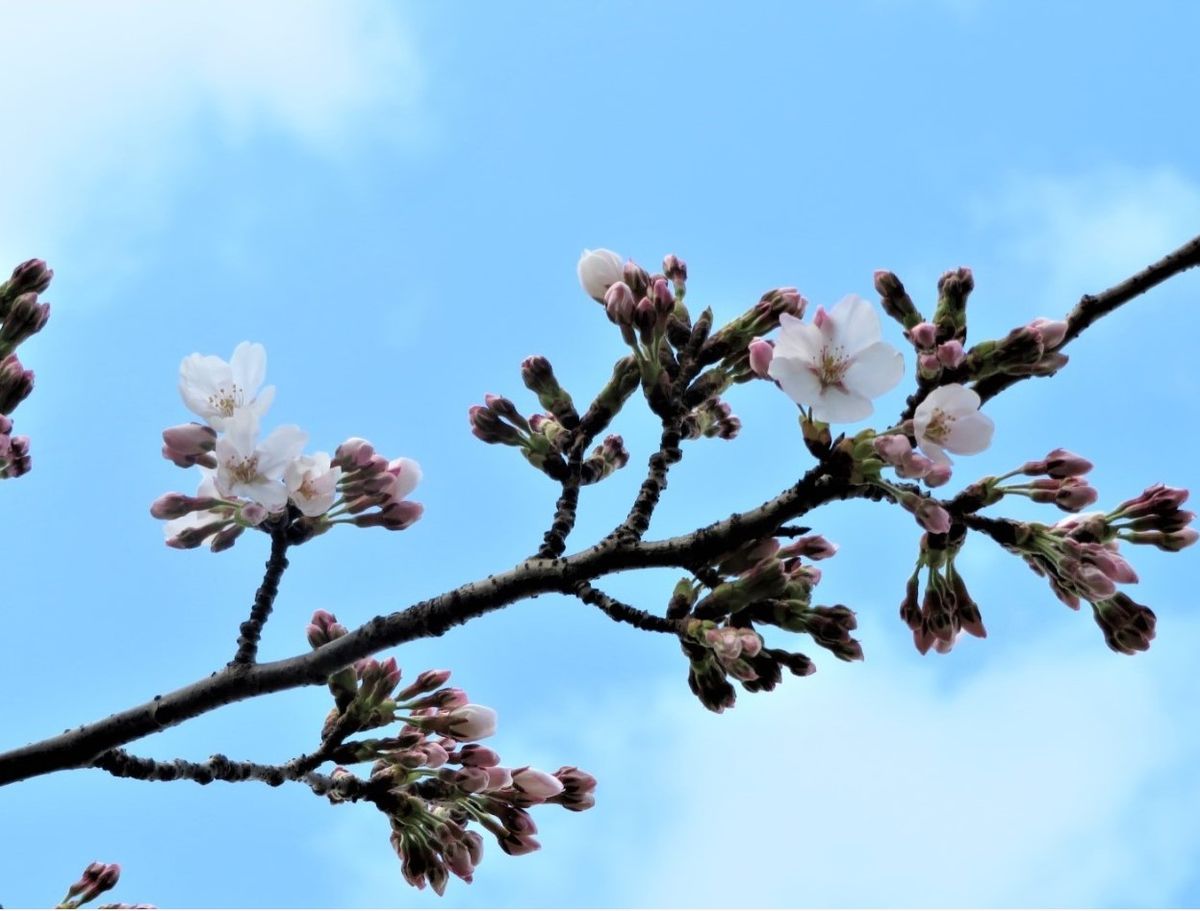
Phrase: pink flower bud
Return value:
(938, 475)
(473, 754)
(928, 365)
(923, 335)
(252, 514)
(675, 269)
(664, 300)
(499, 778)
(190, 439)
(761, 352)
(932, 517)
(1062, 463)
(471, 722)
(1051, 331)
(354, 453)
(892, 447)
(1074, 494)
(619, 304)
(951, 353)
(323, 629)
(178, 505)
(536, 783)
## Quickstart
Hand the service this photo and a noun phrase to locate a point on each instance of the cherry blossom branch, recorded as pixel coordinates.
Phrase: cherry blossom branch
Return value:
(638, 520)
(264, 599)
(554, 541)
(622, 612)
(1092, 307)
(433, 617)
(121, 764)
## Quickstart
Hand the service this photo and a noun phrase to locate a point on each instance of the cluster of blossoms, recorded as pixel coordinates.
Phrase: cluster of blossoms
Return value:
(432, 778)
(765, 583)
(247, 482)
(1079, 557)
(946, 611)
(21, 315)
(97, 878)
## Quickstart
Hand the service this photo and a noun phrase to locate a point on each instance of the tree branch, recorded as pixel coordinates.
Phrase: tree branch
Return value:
(433, 617)
(1093, 306)
(622, 612)
(264, 599)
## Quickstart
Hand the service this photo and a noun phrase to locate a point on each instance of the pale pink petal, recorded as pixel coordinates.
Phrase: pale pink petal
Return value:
(277, 450)
(856, 323)
(970, 434)
(875, 370)
(407, 479)
(248, 367)
(798, 339)
(795, 378)
(837, 407)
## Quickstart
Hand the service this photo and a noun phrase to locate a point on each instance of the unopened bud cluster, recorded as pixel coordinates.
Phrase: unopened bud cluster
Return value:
(946, 611)
(22, 315)
(766, 584)
(269, 484)
(1080, 559)
(1030, 350)
(436, 777)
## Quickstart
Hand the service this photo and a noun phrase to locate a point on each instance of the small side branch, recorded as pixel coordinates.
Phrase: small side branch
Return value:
(554, 542)
(638, 520)
(264, 600)
(1093, 306)
(622, 612)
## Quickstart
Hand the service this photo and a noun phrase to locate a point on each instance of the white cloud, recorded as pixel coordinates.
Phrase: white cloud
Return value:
(1042, 780)
(1089, 231)
(102, 101)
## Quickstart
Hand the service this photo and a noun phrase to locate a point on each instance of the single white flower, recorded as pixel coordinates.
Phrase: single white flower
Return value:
(254, 470)
(217, 391)
(597, 270)
(837, 363)
(949, 419)
(312, 483)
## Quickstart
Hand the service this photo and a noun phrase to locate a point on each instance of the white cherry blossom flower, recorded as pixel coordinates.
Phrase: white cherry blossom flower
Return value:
(254, 470)
(312, 483)
(597, 270)
(949, 419)
(837, 363)
(217, 391)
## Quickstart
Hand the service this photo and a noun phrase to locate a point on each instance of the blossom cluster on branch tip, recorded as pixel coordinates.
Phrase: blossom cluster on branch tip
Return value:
(431, 778)
(22, 315)
(248, 482)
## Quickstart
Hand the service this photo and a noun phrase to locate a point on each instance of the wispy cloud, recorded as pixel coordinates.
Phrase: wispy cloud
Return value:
(1042, 780)
(1087, 231)
(103, 102)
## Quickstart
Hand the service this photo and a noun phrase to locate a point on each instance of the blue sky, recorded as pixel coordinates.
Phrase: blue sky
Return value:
(392, 199)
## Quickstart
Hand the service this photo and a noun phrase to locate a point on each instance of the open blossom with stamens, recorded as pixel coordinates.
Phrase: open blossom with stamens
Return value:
(837, 363)
(218, 391)
(312, 483)
(254, 470)
(949, 419)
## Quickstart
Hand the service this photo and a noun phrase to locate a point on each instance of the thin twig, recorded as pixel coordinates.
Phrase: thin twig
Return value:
(622, 612)
(264, 600)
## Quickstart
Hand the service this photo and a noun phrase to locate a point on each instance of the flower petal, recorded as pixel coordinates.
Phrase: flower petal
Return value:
(970, 434)
(277, 450)
(249, 367)
(856, 324)
(875, 370)
(795, 378)
(835, 406)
